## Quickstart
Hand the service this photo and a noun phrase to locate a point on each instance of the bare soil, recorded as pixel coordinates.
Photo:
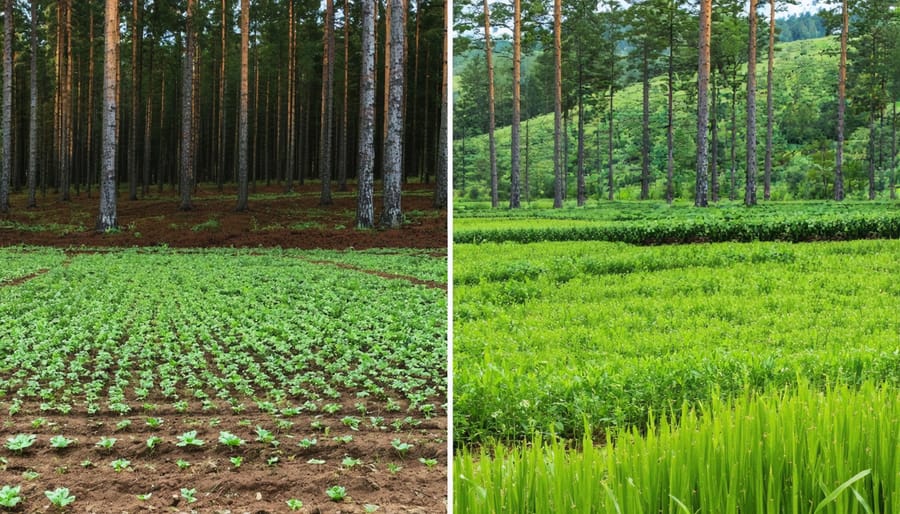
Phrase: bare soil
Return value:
(294, 220)
(255, 487)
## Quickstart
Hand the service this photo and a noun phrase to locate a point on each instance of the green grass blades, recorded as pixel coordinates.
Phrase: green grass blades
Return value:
(801, 450)
(548, 335)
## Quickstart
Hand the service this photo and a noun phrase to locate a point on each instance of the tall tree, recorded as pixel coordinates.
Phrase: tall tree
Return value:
(440, 176)
(492, 145)
(33, 112)
(220, 162)
(770, 104)
(557, 106)
(243, 147)
(842, 105)
(514, 201)
(701, 192)
(136, 68)
(391, 213)
(107, 219)
(291, 99)
(187, 110)
(365, 201)
(750, 184)
(345, 131)
(6, 123)
(327, 120)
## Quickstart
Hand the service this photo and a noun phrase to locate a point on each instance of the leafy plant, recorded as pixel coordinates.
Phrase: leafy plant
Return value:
(294, 504)
(154, 423)
(401, 447)
(30, 474)
(343, 439)
(10, 496)
(189, 439)
(429, 463)
(182, 464)
(188, 494)
(20, 442)
(144, 497)
(106, 443)
(236, 461)
(265, 436)
(123, 425)
(337, 493)
(60, 497)
(394, 468)
(370, 507)
(153, 441)
(60, 442)
(120, 464)
(272, 461)
(350, 462)
(229, 439)
(307, 443)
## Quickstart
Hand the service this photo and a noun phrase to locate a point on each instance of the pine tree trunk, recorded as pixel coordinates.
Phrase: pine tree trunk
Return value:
(33, 111)
(291, 101)
(842, 105)
(871, 156)
(220, 164)
(670, 120)
(6, 122)
(65, 142)
(581, 186)
(440, 178)
(136, 38)
(732, 194)
(365, 201)
(492, 145)
(610, 185)
(243, 147)
(514, 201)
(750, 186)
(557, 106)
(714, 154)
(391, 213)
(527, 163)
(187, 112)
(345, 132)
(645, 122)
(90, 109)
(892, 179)
(702, 186)
(770, 104)
(326, 138)
(108, 218)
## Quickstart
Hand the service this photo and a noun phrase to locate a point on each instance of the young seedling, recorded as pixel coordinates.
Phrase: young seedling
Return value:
(20, 442)
(349, 462)
(87, 463)
(122, 425)
(182, 464)
(331, 408)
(106, 443)
(154, 423)
(294, 504)
(343, 439)
(30, 474)
(153, 441)
(188, 494)
(394, 468)
(265, 436)
(9, 496)
(351, 421)
(144, 497)
(189, 439)
(59, 497)
(272, 461)
(229, 439)
(429, 463)
(60, 442)
(38, 423)
(402, 448)
(236, 461)
(307, 443)
(370, 507)
(337, 493)
(120, 464)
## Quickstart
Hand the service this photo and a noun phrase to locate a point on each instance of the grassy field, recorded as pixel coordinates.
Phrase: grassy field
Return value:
(597, 376)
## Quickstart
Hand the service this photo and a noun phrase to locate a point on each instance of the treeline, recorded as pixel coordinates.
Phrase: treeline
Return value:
(179, 96)
(630, 99)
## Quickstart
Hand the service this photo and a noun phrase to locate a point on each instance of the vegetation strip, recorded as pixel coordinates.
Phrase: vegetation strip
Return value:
(392, 276)
(22, 280)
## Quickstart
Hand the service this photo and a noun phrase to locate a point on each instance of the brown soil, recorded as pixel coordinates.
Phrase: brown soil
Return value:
(294, 220)
(254, 487)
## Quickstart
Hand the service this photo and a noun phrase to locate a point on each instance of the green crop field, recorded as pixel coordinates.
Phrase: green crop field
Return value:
(597, 376)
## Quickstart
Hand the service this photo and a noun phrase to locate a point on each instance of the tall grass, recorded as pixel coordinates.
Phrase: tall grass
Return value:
(797, 451)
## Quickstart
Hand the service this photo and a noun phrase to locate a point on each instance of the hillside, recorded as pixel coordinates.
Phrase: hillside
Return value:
(805, 79)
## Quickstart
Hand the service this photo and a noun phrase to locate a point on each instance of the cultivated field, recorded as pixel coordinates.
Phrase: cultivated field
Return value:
(716, 378)
(241, 379)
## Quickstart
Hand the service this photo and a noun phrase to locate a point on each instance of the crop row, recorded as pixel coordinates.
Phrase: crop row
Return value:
(111, 331)
(801, 451)
(844, 226)
(20, 262)
(554, 336)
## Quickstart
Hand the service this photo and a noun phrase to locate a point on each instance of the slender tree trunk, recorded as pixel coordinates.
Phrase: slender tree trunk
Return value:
(267, 159)
(750, 190)
(701, 193)
(492, 147)
(326, 138)
(163, 140)
(136, 39)
(33, 112)
(557, 106)
(243, 147)
(581, 186)
(107, 219)
(514, 201)
(871, 156)
(610, 185)
(90, 109)
(670, 120)
(345, 132)
(527, 163)
(391, 213)
(842, 105)
(732, 194)
(892, 180)
(440, 177)
(6, 128)
(255, 158)
(148, 146)
(220, 164)
(187, 112)
(645, 122)
(365, 208)
(715, 186)
(65, 142)
(291, 101)
(770, 104)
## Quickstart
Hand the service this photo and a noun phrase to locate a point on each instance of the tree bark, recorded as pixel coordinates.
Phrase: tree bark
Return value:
(136, 39)
(492, 146)
(770, 104)
(842, 106)
(33, 112)
(220, 165)
(715, 186)
(365, 201)
(514, 201)
(610, 185)
(892, 179)
(557, 106)
(345, 132)
(243, 147)
(701, 192)
(108, 217)
(750, 185)
(645, 121)
(440, 178)
(291, 101)
(670, 107)
(326, 138)
(65, 99)
(580, 186)
(6, 122)
(391, 213)
(187, 111)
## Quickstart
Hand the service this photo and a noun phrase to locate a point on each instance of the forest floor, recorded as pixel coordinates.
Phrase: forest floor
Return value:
(385, 480)
(275, 218)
